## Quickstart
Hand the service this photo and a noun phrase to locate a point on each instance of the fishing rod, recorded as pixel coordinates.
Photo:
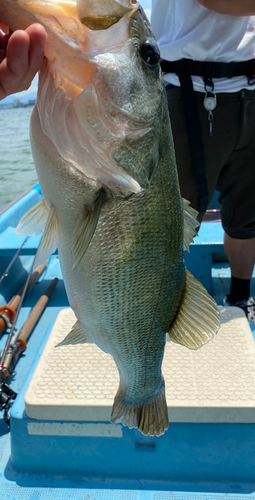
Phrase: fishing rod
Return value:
(13, 325)
(17, 346)
(6, 272)
(7, 312)
(18, 343)
(7, 395)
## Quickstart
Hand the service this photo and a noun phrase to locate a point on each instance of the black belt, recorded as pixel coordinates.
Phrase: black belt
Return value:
(209, 69)
(184, 68)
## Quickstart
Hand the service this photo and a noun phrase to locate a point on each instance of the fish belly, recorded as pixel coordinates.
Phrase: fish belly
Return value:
(127, 288)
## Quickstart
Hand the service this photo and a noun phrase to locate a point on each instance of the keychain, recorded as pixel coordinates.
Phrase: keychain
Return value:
(210, 102)
(210, 118)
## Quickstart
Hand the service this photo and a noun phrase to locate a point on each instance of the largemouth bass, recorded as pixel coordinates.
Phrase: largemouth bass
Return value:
(103, 150)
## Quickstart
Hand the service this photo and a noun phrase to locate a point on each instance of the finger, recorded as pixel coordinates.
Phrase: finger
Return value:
(14, 67)
(37, 36)
(3, 80)
(4, 28)
(9, 82)
(2, 54)
(4, 41)
(24, 57)
(18, 53)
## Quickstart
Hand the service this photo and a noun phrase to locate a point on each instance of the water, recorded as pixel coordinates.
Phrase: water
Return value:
(17, 171)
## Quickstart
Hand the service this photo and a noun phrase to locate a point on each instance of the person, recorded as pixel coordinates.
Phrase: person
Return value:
(21, 56)
(212, 112)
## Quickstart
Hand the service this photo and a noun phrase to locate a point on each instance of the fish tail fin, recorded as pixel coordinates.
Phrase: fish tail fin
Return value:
(198, 318)
(150, 419)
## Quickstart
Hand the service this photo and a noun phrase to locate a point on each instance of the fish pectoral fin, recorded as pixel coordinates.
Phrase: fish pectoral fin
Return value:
(150, 419)
(34, 220)
(75, 336)
(85, 228)
(198, 318)
(190, 224)
(50, 238)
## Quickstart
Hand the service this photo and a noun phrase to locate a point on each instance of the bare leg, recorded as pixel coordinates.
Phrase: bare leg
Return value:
(241, 256)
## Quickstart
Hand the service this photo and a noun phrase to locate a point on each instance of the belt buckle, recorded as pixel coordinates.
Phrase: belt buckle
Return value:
(188, 66)
(223, 70)
(216, 70)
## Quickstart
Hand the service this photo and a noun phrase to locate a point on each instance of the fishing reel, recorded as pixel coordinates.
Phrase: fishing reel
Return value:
(7, 396)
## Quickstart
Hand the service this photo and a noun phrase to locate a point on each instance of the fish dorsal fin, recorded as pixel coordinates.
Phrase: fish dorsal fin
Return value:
(197, 320)
(75, 336)
(50, 238)
(34, 221)
(190, 224)
(85, 228)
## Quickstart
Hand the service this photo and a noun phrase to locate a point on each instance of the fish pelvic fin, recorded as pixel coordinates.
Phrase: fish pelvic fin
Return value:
(150, 419)
(34, 221)
(190, 224)
(198, 318)
(75, 336)
(85, 228)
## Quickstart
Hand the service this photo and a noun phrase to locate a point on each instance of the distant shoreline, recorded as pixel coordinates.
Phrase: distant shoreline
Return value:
(17, 104)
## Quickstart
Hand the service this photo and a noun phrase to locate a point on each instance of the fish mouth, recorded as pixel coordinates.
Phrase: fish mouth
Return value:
(97, 15)
(76, 30)
(102, 15)
(77, 34)
(77, 104)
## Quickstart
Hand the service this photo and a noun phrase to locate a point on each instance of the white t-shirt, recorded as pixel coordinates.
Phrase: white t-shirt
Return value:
(186, 29)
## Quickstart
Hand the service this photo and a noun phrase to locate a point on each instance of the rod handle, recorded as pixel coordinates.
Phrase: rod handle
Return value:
(15, 300)
(37, 311)
(9, 313)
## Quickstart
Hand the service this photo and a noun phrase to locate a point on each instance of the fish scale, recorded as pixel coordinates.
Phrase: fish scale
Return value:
(136, 311)
(104, 155)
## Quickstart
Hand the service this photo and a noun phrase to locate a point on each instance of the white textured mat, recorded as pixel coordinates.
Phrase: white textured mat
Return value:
(213, 384)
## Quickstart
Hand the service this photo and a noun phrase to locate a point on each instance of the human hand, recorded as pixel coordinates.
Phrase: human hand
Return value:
(21, 56)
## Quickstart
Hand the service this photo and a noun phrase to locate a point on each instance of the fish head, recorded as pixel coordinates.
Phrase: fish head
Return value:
(130, 92)
(104, 66)
(128, 73)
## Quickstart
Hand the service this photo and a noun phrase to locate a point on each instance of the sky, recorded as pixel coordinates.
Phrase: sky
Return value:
(146, 4)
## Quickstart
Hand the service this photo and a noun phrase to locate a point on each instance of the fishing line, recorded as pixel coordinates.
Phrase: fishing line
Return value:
(10, 335)
(6, 272)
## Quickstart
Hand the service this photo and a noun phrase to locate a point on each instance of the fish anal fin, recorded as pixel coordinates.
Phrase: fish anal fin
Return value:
(50, 238)
(150, 419)
(190, 224)
(85, 228)
(198, 318)
(34, 220)
(75, 336)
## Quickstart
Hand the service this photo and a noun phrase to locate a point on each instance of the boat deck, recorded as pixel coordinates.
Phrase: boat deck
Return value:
(208, 451)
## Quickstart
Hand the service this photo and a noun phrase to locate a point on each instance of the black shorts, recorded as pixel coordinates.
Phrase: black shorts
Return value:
(229, 156)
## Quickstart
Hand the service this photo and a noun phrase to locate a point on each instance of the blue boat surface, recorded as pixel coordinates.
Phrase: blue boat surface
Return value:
(208, 451)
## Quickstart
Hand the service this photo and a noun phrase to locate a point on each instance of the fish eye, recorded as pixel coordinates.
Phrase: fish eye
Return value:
(150, 53)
